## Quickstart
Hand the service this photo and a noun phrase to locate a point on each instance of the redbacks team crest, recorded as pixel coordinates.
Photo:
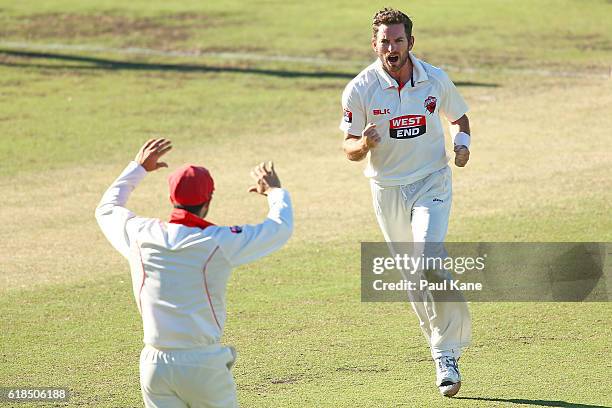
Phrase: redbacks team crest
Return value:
(430, 104)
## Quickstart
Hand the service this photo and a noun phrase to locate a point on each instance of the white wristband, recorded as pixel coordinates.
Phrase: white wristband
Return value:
(462, 138)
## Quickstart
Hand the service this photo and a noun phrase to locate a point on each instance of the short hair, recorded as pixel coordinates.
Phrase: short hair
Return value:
(194, 209)
(388, 16)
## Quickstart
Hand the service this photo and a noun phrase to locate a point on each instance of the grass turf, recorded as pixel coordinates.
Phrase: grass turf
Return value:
(306, 340)
(539, 171)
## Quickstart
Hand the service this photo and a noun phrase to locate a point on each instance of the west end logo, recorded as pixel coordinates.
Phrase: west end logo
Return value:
(407, 127)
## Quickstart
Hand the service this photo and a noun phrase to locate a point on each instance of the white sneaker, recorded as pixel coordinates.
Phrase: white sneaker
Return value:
(448, 378)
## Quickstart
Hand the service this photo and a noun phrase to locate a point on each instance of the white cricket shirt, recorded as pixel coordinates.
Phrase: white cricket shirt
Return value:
(407, 120)
(179, 273)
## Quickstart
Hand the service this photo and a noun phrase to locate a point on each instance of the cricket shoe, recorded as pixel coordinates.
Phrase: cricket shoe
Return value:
(448, 379)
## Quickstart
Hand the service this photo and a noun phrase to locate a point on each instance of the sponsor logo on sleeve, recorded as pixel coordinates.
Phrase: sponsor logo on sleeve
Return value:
(407, 127)
(430, 104)
(236, 229)
(348, 116)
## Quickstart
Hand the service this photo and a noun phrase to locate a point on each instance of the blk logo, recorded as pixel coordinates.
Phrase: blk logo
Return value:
(381, 111)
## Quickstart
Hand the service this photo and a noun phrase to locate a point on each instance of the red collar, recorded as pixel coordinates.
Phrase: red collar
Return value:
(184, 217)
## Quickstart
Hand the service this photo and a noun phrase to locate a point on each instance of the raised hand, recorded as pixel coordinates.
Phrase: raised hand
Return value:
(266, 178)
(151, 151)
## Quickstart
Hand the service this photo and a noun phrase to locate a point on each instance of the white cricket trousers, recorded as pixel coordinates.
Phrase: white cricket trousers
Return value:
(419, 213)
(195, 378)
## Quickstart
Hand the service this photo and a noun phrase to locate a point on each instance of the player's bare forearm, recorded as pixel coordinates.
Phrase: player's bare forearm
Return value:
(354, 148)
(461, 141)
(463, 123)
(357, 147)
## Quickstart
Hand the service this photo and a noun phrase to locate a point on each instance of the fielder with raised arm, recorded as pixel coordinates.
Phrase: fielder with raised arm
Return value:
(392, 115)
(180, 271)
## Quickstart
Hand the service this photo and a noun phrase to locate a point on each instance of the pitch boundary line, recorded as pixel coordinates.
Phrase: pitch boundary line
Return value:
(277, 58)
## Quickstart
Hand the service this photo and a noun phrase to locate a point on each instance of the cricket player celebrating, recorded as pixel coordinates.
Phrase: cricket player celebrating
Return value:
(392, 115)
(180, 271)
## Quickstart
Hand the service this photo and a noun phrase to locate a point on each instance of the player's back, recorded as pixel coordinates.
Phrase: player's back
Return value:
(179, 272)
(179, 277)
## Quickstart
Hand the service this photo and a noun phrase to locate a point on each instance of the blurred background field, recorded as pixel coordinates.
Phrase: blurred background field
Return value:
(83, 84)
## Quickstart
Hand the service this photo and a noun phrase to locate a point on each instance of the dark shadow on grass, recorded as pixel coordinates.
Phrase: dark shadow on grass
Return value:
(537, 403)
(93, 63)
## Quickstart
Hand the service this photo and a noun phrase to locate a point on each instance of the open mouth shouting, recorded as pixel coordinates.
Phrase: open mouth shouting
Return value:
(393, 59)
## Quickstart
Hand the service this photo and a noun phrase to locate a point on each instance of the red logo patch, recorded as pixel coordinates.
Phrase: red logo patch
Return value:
(430, 104)
(348, 116)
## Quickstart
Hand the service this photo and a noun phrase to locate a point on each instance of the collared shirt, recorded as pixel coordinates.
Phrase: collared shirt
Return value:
(406, 118)
(179, 273)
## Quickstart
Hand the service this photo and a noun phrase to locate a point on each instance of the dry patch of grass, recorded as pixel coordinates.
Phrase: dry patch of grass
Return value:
(537, 141)
(160, 32)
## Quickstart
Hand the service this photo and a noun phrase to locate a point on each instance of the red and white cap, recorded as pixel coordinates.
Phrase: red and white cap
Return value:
(191, 185)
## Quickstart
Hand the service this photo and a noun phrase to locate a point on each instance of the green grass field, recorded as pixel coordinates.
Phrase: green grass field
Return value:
(534, 74)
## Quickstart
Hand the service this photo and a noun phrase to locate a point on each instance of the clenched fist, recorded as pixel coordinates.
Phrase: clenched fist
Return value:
(370, 137)
(462, 155)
